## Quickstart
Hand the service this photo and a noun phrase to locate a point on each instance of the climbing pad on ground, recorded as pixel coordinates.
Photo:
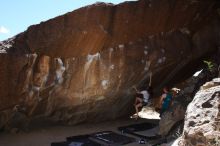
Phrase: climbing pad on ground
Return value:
(83, 139)
(142, 130)
(137, 127)
(60, 144)
(112, 138)
(80, 140)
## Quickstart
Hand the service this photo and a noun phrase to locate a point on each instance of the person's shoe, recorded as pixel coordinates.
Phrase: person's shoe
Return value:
(134, 116)
(142, 141)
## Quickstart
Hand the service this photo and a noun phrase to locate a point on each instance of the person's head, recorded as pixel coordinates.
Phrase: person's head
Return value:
(165, 90)
(145, 87)
(150, 90)
(142, 88)
(148, 87)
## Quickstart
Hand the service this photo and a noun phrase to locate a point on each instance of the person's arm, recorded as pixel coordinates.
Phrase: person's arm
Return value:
(162, 97)
(136, 89)
(150, 79)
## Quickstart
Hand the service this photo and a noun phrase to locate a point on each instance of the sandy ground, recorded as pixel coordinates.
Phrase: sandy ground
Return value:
(44, 136)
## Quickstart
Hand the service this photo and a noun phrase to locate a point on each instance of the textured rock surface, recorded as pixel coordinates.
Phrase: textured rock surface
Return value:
(177, 110)
(202, 125)
(80, 66)
(169, 119)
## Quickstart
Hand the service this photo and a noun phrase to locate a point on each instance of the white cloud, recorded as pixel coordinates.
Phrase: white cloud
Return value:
(4, 30)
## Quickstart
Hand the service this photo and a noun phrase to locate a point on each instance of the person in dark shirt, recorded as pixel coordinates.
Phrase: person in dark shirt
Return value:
(166, 99)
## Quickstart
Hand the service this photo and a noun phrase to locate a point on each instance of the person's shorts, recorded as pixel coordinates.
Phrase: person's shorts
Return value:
(140, 95)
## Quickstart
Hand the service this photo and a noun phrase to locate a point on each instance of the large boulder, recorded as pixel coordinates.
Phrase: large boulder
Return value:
(80, 66)
(202, 126)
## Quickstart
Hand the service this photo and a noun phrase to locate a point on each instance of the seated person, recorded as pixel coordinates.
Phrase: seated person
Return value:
(166, 98)
(141, 100)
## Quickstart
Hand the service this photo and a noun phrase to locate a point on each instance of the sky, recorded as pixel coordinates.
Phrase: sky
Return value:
(17, 15)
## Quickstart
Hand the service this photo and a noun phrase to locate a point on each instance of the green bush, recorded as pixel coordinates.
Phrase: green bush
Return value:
(209, 64)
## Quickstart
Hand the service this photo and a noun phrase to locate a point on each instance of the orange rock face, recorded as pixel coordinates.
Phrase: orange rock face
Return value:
(81, 66)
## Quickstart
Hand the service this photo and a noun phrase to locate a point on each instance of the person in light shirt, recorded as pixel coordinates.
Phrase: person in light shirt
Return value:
(141, 100)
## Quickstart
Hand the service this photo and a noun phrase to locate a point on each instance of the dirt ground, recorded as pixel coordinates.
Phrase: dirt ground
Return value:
(43, 136)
